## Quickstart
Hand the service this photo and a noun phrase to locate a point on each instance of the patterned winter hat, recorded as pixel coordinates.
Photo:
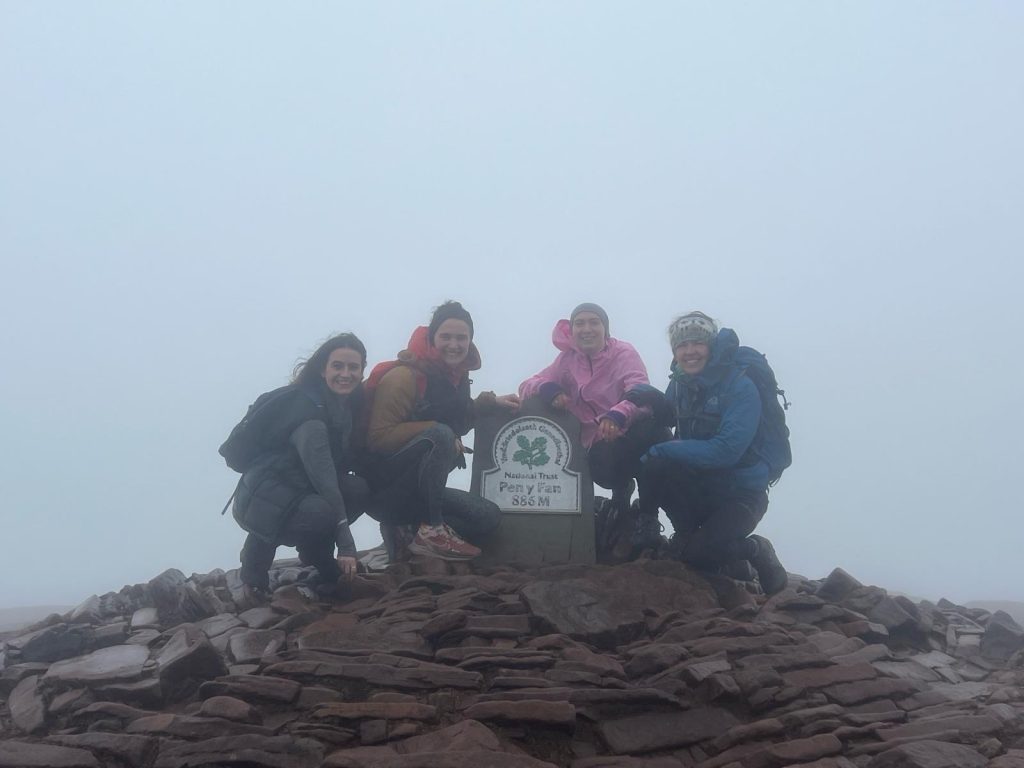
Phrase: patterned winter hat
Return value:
(693, 326)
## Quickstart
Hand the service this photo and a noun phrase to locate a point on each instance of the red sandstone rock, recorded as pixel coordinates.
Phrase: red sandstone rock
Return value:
(821, 677)
(125, 749)
(252, 688)
(251, 751)
(230, 708)
(27, 706)
(19, 754)
(374, 709)
(664, 730)
(353, 674)
(929, 754)
(557, 713)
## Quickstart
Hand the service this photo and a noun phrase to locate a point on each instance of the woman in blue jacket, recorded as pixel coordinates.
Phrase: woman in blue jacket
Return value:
(710, 480)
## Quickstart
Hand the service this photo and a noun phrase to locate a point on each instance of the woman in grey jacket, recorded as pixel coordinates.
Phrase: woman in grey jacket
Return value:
(300, 490)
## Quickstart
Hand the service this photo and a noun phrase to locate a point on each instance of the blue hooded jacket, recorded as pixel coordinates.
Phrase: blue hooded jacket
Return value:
(718, 412)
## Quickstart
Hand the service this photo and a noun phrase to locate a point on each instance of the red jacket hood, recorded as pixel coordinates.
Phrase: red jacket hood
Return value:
(420, 350)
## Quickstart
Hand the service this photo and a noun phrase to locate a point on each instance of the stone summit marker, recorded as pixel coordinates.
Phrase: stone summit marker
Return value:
(531, 454)
(534, 468)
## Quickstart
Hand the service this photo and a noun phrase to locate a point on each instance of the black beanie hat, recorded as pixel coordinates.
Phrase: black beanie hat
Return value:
(450, 310)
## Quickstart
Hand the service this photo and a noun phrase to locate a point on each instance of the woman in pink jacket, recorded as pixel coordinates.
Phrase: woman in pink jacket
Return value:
(590, 378)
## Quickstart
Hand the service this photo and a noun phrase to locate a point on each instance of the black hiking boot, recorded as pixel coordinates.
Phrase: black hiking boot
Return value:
(396, 539)
(646, 534)
(739, 570)
(770, 573)
(621, 496)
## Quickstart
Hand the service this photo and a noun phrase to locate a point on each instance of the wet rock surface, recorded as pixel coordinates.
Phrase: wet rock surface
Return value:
(644, 665)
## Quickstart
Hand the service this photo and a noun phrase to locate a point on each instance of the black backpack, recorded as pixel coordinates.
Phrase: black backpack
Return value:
(254, 434)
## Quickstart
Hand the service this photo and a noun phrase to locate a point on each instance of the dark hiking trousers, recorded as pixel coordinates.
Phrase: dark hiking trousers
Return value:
(410, 488)
(712, 522)
(309, 526)
(614, 463)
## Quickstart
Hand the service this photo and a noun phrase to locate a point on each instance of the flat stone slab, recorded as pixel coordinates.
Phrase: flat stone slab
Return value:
(664, 730)
(968, 724)
(27, 706)
(419, 677)
(822, 677)
(195, 728)
(219, 624)
(462, 736)
(379, 710)
(250, 750)
(600, 607)
(130, 750)
(528, 711)
(260, 617)
(20, 754)
(929, 754)
(116, 663)
(253, 644)
(189, 654)
(145, 617)
(383, 757)
(252, 688)
(50, 644)
(584, 696)
(230, 708)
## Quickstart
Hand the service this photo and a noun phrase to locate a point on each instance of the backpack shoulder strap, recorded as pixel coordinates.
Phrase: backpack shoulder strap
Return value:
(380, 370)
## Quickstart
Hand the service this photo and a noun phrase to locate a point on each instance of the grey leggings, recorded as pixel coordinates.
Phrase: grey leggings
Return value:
(310, 528)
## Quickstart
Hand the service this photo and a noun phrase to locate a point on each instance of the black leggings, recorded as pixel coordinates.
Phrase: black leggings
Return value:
(614, 463)
(711, 521)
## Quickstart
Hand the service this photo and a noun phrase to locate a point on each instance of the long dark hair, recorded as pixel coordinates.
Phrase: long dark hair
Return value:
(313, 366)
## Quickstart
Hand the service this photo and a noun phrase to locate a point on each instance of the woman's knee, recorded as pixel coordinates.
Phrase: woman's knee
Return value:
(602, 465)
(440, 434)
(313, 518)
(489, 516)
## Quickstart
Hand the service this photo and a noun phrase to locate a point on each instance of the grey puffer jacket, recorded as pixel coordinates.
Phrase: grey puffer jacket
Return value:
(311, 437)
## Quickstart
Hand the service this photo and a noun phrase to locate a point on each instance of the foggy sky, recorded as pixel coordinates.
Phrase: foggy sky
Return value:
(194, 195)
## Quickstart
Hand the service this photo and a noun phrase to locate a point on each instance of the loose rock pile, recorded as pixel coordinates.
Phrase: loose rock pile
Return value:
(434, 666)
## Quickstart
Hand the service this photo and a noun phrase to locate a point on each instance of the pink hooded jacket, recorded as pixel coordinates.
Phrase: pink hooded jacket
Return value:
(595, 385)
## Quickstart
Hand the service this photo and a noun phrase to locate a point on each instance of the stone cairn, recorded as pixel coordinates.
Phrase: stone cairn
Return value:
(430, 665)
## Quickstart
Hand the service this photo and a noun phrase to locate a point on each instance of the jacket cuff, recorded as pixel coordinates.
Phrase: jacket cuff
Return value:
(343, 538)
(548, 391)
(617, 418)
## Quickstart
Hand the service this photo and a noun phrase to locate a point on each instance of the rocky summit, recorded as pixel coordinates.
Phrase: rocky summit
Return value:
(433, 665)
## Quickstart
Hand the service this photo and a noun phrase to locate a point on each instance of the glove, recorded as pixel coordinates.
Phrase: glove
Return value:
(659, 452)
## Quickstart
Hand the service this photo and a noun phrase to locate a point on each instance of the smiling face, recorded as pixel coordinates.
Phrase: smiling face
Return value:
(588, 333)
(344, 371)
(452, 339)
(692, 356)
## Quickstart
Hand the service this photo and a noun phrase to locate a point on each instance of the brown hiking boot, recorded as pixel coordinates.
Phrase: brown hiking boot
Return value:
(442, 542)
